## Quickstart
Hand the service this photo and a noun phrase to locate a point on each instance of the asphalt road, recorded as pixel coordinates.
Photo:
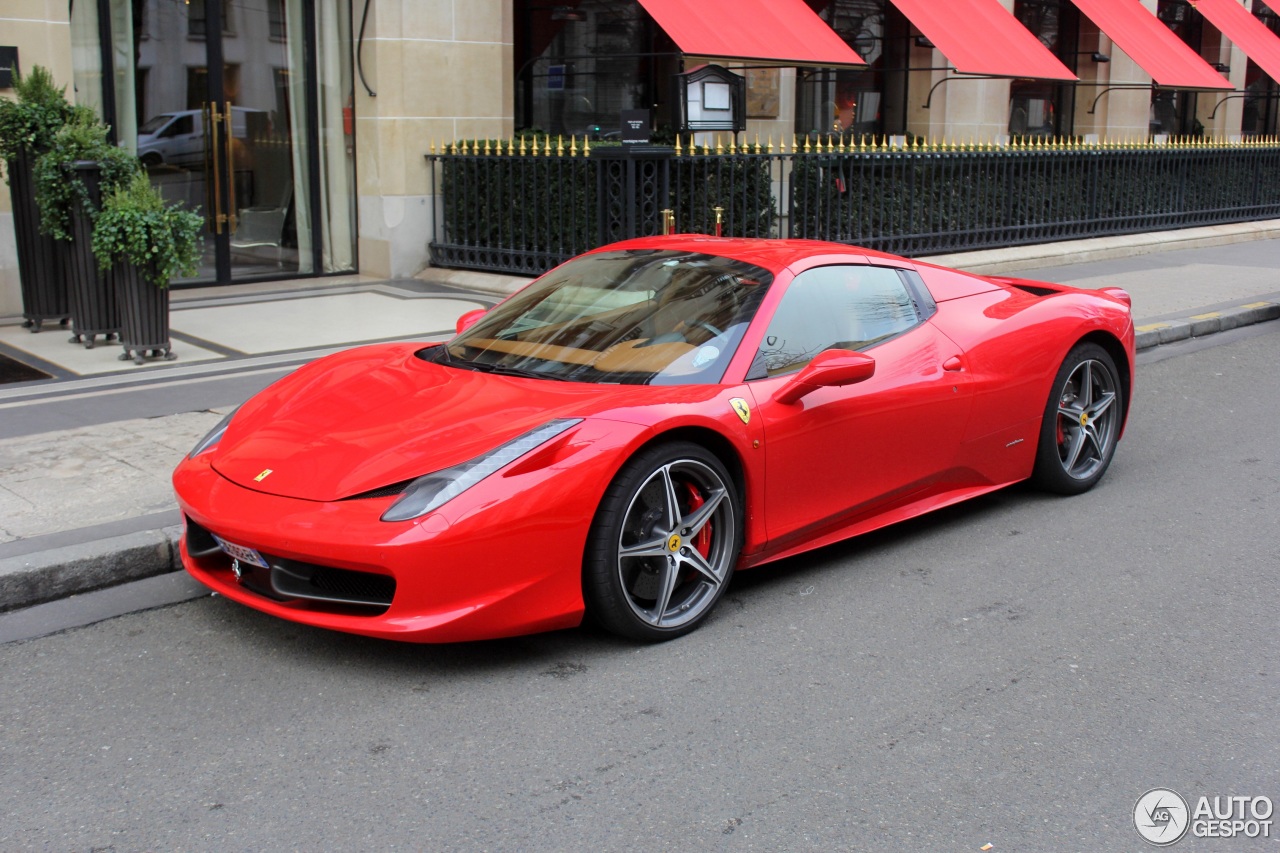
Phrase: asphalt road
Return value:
(1014, 672)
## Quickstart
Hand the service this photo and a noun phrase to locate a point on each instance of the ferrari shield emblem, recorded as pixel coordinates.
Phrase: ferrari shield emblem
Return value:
(740, 406)
(266, 472)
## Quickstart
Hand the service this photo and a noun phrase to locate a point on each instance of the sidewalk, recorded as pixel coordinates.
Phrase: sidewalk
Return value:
(90, 505)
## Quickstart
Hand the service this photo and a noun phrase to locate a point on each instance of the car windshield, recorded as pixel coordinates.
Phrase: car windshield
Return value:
(155, 123)
(640, 316)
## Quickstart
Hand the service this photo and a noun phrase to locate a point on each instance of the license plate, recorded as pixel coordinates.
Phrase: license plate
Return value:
(241, 553)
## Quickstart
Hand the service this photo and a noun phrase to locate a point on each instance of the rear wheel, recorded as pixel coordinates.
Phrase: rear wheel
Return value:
(663, 544)
(1081, 422)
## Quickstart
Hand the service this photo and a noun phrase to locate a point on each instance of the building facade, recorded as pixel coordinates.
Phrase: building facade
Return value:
(299, 129)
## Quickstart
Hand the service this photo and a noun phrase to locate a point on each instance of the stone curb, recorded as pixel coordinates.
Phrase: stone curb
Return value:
(1196, 326)
(47, 575)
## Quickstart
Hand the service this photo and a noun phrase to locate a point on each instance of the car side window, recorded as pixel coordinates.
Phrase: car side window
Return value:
(834, 307)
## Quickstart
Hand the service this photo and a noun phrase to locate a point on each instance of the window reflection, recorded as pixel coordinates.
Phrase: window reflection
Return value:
(835, 307)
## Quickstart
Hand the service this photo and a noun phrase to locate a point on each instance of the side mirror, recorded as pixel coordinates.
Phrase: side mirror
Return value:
(829, 368)
(469, 319)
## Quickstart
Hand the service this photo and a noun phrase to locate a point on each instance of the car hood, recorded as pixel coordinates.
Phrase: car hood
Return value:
(375, 416)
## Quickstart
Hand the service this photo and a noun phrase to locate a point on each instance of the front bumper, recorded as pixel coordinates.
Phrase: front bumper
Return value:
(502, 559)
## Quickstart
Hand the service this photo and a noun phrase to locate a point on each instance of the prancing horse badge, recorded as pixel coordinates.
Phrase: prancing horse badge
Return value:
(740, 406)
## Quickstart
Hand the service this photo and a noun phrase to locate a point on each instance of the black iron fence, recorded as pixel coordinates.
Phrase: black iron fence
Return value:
(522, 208)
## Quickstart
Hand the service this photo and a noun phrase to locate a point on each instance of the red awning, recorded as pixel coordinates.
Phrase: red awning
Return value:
(784, 31)
(1152, 45)
(1245, 31)
(982, 37)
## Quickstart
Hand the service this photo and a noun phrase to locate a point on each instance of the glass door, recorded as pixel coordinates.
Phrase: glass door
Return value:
(251, 138)
(242, 111)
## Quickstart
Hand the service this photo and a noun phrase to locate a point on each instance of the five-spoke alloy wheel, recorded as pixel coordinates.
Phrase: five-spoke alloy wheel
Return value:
(663, 544)
(1081, 422)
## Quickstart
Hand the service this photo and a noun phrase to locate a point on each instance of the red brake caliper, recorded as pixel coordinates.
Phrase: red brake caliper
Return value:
(702, 542)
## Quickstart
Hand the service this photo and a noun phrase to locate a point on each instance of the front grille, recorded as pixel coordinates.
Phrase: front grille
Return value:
(371, 593)
(324, 583)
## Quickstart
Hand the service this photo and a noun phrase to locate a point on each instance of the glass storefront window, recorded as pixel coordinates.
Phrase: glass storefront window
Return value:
(87, 61)
(1173, 112)
(857, 103)
(1260, 101)
(1042, 107)
(241, 112)
(580, 63)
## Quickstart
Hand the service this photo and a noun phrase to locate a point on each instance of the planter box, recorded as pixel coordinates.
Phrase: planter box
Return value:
(44, 285)
(94, 308)
(144, 315)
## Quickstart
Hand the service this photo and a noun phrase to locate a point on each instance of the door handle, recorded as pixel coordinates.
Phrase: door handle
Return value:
(227, 138)
(212, 122)
(953, 364)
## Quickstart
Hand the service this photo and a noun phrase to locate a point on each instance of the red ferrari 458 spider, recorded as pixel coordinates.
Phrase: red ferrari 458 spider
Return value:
(620, 436)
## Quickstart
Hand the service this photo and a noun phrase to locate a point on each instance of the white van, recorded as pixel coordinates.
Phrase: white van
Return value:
(177, 138)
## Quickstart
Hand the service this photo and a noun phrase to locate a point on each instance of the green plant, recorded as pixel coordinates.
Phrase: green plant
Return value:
(28, 123)
(538, 204)
(136, 226)
(58, 189)
(741, 185)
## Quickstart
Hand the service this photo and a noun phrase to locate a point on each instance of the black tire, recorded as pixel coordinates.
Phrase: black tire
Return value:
(1081, 423)
(640, 551)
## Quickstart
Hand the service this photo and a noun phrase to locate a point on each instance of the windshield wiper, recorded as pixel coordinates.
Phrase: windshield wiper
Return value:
(503, 370)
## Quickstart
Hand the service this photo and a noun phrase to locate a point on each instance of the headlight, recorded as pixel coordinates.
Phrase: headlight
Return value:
(214, 435)
(433, 490)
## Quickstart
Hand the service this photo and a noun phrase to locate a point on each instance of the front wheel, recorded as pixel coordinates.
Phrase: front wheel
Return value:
(663, 544)
(1081, 422)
